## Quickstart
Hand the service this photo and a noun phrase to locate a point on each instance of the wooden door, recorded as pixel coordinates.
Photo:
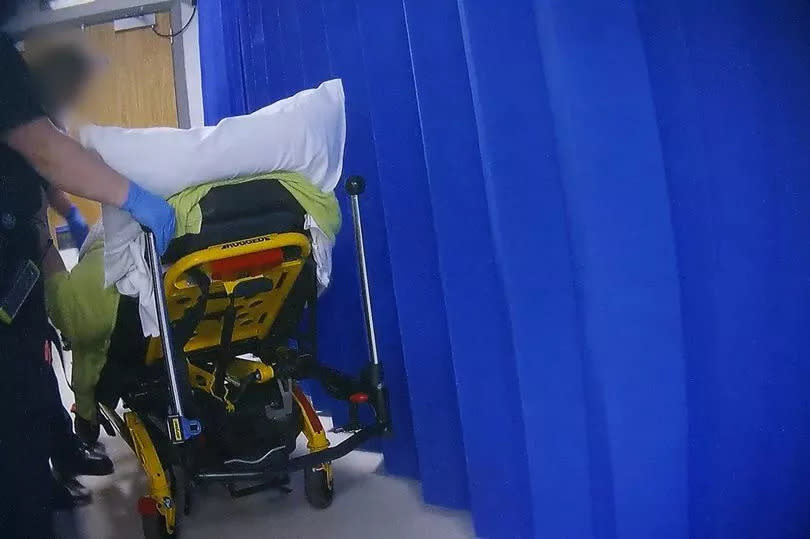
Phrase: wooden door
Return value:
(136, 89)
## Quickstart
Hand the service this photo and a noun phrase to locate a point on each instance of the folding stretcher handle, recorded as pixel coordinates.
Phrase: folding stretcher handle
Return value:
(355, 186)
(180, 427)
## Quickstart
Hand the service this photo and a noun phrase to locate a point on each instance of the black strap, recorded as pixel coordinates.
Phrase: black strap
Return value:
(183, 329)
(55, 339)
(225, 356)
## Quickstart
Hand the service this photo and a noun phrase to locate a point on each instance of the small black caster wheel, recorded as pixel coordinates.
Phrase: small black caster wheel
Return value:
(154, 524)
(319, 487)
(154, 527)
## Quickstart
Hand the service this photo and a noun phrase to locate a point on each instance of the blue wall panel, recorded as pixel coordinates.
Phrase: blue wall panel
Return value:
(291, 53)
(479, 328)
(347, 61)
(735, 128)
(278, 84)
(413, 252)
(622, 243)
(588, 241)
(530, 230)
(256, 48)
(220, 62)
(315, 61)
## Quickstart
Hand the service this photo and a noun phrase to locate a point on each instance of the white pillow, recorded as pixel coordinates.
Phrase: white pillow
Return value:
(304, 133)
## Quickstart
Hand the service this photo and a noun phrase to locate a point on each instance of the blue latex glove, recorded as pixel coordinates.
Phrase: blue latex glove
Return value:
(152, 212)
(77, 227)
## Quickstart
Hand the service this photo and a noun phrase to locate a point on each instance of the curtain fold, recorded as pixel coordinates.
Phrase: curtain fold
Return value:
(586, 227)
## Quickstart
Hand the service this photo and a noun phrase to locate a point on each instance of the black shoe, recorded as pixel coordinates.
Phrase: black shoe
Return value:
(88, 432)
(85, 461)
(69, 494)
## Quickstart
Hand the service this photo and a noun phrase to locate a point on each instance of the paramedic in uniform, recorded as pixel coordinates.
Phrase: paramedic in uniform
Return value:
(34, 154)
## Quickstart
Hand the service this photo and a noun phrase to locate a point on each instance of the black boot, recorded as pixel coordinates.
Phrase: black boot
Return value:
(88, 432)
(83, 461)
(69, 494)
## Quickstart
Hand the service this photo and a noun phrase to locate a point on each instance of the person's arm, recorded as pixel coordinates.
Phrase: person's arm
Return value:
(59, 201)
(52, 262)
(63, 161)
(66, 164)
(69, 166)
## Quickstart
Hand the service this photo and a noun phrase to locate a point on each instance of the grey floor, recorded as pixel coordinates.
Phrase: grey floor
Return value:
(367, 503)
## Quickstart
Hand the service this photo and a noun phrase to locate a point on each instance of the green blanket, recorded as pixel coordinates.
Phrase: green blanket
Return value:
(85, 312)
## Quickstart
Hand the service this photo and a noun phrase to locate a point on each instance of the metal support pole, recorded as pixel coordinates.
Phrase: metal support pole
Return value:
(373, 374)
(180, 427)
(355, 187)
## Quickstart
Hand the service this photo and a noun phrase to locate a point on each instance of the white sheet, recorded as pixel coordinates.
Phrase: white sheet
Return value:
(304, 133)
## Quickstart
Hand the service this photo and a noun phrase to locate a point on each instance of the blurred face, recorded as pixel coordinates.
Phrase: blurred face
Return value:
(63, 76)
(71, 93)
(61, 110)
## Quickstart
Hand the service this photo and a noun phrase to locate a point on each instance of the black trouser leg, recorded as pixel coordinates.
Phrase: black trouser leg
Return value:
(25, 500)
(64, 441)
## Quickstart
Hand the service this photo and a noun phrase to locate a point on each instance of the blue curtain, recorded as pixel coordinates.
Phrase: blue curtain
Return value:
(588, 227)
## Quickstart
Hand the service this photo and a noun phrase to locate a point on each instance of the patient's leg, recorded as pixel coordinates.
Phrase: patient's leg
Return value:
(85, 312)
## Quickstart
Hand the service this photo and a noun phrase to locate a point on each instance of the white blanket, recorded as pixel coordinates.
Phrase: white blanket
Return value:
(304, 133)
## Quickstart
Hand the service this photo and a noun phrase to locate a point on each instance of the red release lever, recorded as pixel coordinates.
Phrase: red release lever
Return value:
(358, 398)
(147, 507)
(240, 266)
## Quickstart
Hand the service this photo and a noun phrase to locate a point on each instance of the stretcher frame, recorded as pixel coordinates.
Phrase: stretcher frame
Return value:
(367, 389)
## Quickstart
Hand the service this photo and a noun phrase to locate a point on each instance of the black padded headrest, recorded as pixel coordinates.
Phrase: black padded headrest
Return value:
(240, 210)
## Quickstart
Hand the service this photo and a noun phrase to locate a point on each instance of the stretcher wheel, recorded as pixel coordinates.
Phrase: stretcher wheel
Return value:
(154, 527)
(319, 487)
(154, 524)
